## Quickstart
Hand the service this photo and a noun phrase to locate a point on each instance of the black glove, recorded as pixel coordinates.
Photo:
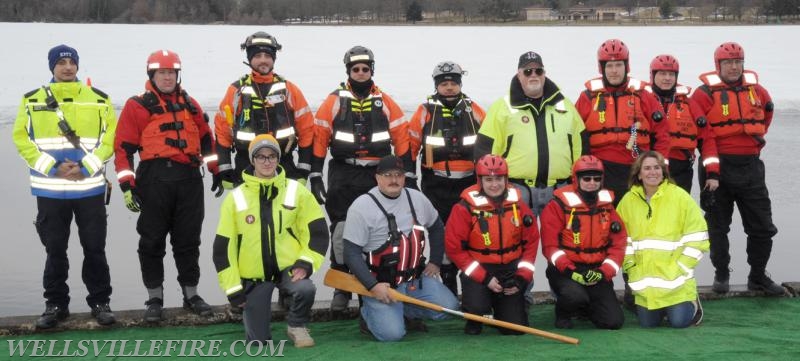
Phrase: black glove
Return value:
(411, 182)
(318, 189)
(216, 185)
(237, 299)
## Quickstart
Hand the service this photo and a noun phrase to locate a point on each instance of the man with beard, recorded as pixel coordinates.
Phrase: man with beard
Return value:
(360, 124)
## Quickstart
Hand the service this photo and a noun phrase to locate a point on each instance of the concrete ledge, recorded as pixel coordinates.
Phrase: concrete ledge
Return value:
(320, 312)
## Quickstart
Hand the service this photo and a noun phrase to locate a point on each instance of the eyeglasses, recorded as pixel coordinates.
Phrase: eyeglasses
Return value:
(588, 178)
(360, 69)
(264, 158)
(392, 175)
(529, 71)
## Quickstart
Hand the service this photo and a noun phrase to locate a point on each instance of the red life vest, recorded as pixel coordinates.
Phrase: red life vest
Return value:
(401, 258)
(171, 130)
(585, 238)
(496, 234)
(615, 113)
(736, 110)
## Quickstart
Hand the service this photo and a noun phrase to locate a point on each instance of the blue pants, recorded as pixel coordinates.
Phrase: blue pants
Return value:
(679, 315)
(386, 322)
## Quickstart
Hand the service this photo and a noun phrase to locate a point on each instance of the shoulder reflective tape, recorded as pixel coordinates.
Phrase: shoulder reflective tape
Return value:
(573, 199)
(285, 132)
(713, 79)
(604, 196)
(276, 87)
(750, 78)
(682, 90)
(596, 85)
(513, 195)
(561, 107)
(239, 200)
(245, 136)
(477, 198)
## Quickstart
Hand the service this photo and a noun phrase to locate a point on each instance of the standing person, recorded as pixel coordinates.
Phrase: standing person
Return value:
(537, 130)
(360, 124)
(686, 127)
(384, 242)
(620, 116)
(739, 111)
(65, 133)
(271, 233)
(167, 128)
(492, 236)
(584, 240)
(446, 127)
(262, 102)
(667, 237)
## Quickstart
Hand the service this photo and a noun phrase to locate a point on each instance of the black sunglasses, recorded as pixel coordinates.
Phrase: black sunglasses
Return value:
(360, 69)
(529, 71)
(588, 178)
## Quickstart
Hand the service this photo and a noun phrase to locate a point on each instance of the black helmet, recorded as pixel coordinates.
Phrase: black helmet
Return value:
(258, 42)
(359, 54)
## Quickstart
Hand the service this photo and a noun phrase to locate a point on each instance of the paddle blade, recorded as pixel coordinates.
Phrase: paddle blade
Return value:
(345, 282)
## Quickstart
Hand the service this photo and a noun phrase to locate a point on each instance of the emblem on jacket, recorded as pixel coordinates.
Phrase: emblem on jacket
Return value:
(250, 219)
(525, 119)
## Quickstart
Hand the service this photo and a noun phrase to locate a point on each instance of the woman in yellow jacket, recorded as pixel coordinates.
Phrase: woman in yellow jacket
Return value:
(271, 233)
(667, 238)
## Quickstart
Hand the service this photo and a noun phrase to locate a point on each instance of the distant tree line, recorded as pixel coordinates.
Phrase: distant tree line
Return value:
(266, 12)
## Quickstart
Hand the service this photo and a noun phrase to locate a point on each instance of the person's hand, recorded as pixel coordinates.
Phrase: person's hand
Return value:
(494, 285)
(318, 189)
(712, 184)
(69, 170)
(381, 293)
(431, 270)
(238, 299)
(510, 290)
(298, 274)
(592, 276)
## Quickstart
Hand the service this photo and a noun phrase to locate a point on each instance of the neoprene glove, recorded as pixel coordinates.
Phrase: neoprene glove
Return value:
(318, 189)
(577, 277)
(216, 185)
(592, 276)
(227, 179)
(132, 200)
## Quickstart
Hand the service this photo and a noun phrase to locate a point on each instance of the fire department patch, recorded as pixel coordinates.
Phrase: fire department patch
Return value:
(250, 219)
(525, 119)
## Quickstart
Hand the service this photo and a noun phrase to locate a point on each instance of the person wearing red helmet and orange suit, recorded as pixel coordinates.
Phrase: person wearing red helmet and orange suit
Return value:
(492, 236)
(168, 129)
(739, 112)
(685, 124)
(583, 240)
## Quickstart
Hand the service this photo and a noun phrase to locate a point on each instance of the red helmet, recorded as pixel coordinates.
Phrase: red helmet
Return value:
(729, 50)
(163, 59)
(610, 50)
(491, 164)
(586, 163)
(664, 62)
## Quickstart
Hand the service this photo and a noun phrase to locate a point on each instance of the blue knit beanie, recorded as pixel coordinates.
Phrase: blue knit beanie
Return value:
(61, 51)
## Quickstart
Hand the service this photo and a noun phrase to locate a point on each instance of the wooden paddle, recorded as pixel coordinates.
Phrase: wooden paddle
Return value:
(347, 282)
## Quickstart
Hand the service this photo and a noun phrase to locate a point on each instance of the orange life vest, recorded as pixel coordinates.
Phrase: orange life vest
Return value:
(614, 115)
(585, 239)
(736, 110)
(496, 234)
(682, 128)
(171, 130)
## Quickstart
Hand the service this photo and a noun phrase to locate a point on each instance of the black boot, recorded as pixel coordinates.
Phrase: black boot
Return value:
(722, 278)
(449, 273)
(759, 281)
(52, 314)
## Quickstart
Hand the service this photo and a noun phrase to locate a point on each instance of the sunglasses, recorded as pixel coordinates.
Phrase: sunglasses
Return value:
(529, 71)
(359, 69)
(264, 158)
(588, 178)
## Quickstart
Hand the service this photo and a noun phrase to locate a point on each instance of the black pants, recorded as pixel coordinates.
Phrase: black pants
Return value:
(53, 222)
(345, 183)
(741, 182)
(443, 192)
(172, 204)
(681, 172)
(615, 178)
(599, 301)
(258, 310)
(478, 299)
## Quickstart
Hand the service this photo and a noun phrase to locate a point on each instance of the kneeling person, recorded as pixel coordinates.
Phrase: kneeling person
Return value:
(492, 237)
(584, 242)
(271, 233)
(383, 247)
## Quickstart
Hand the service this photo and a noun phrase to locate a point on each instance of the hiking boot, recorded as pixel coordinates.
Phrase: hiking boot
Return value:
(52, 314)
(564, 323)
(415, 324)
(764, 283)
(155, 310)
(698, 312)
(300, 336)
(197, 305)
(340, 301)
(102, 313)
(473, 328)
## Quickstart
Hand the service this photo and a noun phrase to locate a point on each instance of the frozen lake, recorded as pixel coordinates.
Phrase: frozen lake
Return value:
(113, 56)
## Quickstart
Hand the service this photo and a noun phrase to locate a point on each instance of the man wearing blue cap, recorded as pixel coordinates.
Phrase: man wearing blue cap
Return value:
(65, 133)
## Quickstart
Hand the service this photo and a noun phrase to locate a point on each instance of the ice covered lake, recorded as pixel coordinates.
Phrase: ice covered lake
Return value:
(113, 56)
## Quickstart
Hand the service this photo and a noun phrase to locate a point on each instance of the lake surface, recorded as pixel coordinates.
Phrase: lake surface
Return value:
(113, 56)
